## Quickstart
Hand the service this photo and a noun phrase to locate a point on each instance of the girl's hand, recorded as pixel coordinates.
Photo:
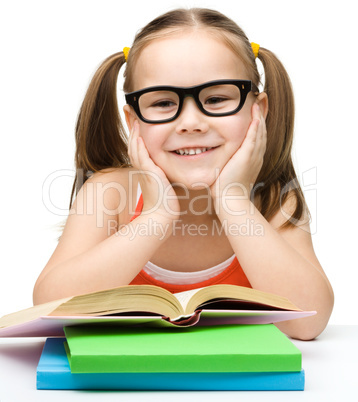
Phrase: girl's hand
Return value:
(242, 169)
(159, 197)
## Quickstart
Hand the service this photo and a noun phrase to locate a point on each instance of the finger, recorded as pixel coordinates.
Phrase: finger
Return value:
(251, 135)
(132, 133)
(261, 129)
(254, 140)
(261, 137)
(256, 111)
(262, 123)
(146, 164)
(144, 160)
(256, 119)
(133, 144)
(142, 150)
(130, 138)
(264, 130)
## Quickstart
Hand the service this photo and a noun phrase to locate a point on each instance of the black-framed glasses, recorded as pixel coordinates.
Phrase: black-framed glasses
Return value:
(162, 104)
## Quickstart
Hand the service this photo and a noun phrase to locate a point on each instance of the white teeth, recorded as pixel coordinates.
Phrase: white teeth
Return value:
(192, 151)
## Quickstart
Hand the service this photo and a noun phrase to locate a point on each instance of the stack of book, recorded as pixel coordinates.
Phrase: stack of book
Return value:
(228, 357)
(143, 337)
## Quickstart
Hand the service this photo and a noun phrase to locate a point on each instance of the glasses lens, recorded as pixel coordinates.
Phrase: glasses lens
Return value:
(158, 105)
(219, 99)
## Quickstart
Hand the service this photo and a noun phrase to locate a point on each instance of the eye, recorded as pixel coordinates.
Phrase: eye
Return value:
(215, 100)
(164, 104)
(223, 98)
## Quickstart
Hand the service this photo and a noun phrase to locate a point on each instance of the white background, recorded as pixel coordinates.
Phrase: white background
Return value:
(49, 51)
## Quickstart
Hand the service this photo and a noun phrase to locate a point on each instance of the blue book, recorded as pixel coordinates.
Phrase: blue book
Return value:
(53, 372)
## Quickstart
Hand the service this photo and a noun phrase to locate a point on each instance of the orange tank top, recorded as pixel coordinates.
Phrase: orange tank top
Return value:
(232, 275)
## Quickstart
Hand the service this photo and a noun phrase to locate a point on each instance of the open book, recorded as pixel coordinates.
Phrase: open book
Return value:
(138, 304)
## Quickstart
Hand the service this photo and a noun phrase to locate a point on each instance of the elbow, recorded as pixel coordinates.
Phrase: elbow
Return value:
(36, 297)
(301, 329)
(46, 288)
(39, 293)
(306, 334)
(309, 328)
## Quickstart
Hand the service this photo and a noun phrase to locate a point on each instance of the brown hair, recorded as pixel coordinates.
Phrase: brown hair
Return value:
(101, 140)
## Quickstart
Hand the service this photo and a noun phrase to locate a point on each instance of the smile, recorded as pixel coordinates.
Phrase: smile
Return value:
(192, 151)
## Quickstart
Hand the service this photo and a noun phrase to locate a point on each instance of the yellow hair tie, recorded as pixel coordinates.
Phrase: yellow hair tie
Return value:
(255, 48)
(126, 52)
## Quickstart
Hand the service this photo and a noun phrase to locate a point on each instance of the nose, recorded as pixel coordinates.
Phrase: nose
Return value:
(191, 119)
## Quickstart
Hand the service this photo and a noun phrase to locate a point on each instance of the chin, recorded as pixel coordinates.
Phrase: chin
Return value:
(193, 182)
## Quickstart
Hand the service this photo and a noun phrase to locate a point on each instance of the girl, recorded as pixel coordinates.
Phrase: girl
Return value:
(208, 160)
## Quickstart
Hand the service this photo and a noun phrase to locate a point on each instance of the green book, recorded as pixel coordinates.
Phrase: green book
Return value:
(228, 348)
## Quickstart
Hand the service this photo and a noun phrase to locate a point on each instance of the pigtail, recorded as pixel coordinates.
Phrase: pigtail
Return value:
(277, 179)
(101, 140)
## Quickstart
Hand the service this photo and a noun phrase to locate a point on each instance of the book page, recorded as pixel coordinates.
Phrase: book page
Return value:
(184, 297)
(31, 313)
(124, 299)
(192, 299)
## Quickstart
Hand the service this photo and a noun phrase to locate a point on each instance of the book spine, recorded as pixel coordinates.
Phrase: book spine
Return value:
(172, 381)
(185, 363)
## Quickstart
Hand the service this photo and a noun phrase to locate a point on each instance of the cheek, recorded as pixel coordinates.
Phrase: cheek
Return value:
(153, 139)
(236, 129)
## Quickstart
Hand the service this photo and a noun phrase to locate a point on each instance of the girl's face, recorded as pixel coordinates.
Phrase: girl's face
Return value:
(186, 60)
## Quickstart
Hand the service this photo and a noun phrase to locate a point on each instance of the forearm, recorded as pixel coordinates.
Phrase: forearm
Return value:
(113, 262)
(271, 264)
